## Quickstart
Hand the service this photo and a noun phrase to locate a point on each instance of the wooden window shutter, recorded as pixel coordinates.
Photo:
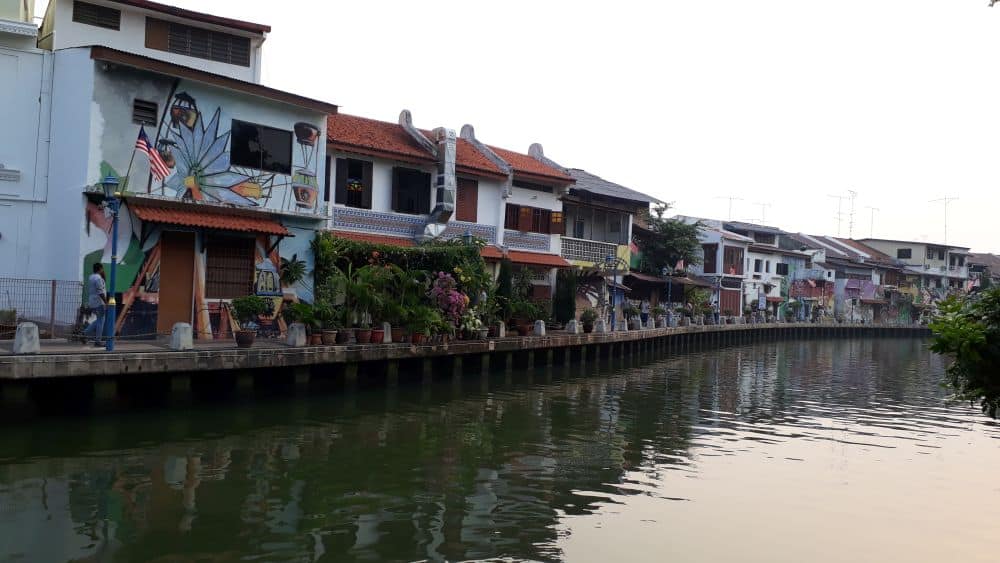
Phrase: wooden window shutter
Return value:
(556, 224)
(366, 185)
(510, 217)
(524, 218)
(340, 188)
(395, 189)
(156, 34)
(468, 200)
(326, 179)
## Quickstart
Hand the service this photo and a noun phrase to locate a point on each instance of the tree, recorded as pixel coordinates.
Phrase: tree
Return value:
(968, 329)
(564, 301)
(505, 287)
(667, 242)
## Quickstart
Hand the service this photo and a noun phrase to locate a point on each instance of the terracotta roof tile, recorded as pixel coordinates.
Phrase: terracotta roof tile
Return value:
(469, 157)
(208, 218)
(372, 137)
(377, 239)
(527, 258)
(531, 166)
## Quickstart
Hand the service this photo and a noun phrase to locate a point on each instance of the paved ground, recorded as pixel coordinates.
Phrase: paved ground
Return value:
(63, 346)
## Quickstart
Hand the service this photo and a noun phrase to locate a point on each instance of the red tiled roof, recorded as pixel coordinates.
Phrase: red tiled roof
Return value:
(377, 239)
(469, 159)
(372, 137)
(209, 218)
(874, 253)
(532, 168)
(196, 16)
(527, 258)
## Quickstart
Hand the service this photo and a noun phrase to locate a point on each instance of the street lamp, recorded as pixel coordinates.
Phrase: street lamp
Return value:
(467, 237)
(110, 186)
(670, 287)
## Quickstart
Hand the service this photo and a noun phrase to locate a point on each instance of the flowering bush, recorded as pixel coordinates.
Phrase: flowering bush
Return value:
(446, 296)
(470, 321)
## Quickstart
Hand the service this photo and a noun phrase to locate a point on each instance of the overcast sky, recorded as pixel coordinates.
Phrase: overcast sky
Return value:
(776, 102)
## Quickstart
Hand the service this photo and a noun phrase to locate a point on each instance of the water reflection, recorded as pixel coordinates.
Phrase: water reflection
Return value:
(696, 456)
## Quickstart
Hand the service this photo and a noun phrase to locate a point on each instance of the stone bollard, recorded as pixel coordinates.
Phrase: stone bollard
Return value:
(296, 335)
(386, 333)
(573, 327)
(181, 337)
(600, 326)
(501, 329)
(539, 328)
(650, 323)
(26, 339)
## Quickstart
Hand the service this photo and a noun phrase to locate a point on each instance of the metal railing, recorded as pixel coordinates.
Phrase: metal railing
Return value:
(587, 250)
(51, 304)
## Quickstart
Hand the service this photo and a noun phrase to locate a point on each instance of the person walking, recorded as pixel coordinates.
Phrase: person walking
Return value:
(715, 311)
(644, 312)
(97, 300)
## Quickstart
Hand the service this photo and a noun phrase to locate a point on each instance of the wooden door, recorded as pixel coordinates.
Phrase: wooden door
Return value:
(176, 280)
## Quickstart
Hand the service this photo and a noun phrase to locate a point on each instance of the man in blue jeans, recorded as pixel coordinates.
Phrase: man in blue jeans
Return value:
(97, 300)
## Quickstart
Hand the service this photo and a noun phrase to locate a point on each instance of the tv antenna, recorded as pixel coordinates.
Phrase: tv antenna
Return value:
(871, 227)
(763, 211)
(945, 200)
(840, 213)
(850, 225)
(731, 200)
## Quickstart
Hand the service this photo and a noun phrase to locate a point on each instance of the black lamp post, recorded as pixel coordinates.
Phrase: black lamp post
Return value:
(110, 186)
(670, 287)
(612, 264)
(467, 237)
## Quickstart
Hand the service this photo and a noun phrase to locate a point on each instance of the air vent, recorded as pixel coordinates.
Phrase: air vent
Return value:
(98, 16)
(144, 113)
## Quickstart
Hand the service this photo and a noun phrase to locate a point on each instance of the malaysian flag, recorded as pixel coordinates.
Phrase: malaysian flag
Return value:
(156, 164)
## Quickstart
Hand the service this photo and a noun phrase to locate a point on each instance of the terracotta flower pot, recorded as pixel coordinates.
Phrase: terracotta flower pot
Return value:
(316, 338)
(417, 338)
(343, 336)
(244, 338)
(523, 329)
(378, 336)
(588, 327)
(398, 335)
(329, 337)
(363, 335)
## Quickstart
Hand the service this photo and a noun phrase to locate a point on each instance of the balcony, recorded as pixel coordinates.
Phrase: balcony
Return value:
(587, 250)
(815, 274)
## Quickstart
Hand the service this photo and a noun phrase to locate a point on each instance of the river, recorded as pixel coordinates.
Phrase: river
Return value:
(828, 450)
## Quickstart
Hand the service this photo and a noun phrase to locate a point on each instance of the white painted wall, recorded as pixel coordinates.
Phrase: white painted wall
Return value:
(132, 38)
(381, 180)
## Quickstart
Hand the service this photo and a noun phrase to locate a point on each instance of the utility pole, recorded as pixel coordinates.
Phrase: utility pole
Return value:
(763, 211)
(731, 200)
(945, 200)
(850, 224)
(871, 228)
(840, 214)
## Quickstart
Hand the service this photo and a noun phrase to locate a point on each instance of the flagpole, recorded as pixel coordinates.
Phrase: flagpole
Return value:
(128, 172)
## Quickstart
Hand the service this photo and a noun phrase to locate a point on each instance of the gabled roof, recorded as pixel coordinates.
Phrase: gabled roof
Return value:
(531, 169)
(196, 16)
(471, 161)
(371, 137)
(991, 261)
(913, 242)
(594, 184)
(874, 255)
(741, 226)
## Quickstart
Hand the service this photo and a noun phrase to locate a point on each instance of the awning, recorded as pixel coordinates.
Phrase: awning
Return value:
(771, 299)
(615, 285)
(874, 301)
(373, 238)
(208, 217)
(525, 258)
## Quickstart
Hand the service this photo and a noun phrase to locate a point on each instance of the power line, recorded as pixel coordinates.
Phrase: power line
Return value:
(945, 200)
(871, 228)
(763, 211)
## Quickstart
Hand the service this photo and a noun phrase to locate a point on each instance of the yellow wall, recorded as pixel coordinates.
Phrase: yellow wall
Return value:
(623, 252)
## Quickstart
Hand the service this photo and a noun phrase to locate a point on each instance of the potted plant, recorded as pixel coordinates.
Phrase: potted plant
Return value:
(523, 314)
(588, 317)
(247, 311)
(421, 321)
(631, 314)
(471, 326)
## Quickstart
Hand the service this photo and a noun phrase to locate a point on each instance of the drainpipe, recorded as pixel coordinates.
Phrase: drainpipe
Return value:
(469, 134)
(445, 182)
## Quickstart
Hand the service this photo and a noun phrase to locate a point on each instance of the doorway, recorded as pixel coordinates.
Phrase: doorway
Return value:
(176, 280)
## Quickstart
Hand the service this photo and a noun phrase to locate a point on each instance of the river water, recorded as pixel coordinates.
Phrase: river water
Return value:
(838, 450)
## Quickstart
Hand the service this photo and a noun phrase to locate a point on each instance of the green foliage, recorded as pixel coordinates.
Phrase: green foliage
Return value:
(699, 299)
(8, 316)
(424, 320)
(666, 242)
(505, 287)
(564, 302)
(588, 316)
(247, 309)
(292, 270)
(968, 329)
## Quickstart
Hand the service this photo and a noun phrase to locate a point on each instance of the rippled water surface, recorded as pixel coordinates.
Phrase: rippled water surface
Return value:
(842, 450)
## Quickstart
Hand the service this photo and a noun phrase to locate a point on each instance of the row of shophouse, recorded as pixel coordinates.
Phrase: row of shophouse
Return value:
(252, 172)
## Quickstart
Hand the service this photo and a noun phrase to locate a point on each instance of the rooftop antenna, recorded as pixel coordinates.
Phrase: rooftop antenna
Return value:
(763, 211)
(731, 200)
(945, 200)
(871, 228)
(840, 213)
(850, 224)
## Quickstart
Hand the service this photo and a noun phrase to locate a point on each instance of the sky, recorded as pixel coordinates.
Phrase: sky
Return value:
(780, 103)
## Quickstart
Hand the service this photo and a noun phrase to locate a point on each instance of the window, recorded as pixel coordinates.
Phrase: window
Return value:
(579, 229)
(940, 254)
(411, 191)
(764, 238)
(767, 266)
(197, 42)
(468, 200)
(144, 113)
(710, 251)
(757, 265)
(904, 253)
(732, 260)
(353, 186)
(261, 148)
(99, 16)
(533, 219)
(781, 269)
(229, 267)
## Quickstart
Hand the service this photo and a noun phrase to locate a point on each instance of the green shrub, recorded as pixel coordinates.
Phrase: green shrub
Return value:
(564, 301)
(247, 309)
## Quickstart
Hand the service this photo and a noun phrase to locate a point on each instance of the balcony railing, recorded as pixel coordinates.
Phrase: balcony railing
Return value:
(587, 250)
